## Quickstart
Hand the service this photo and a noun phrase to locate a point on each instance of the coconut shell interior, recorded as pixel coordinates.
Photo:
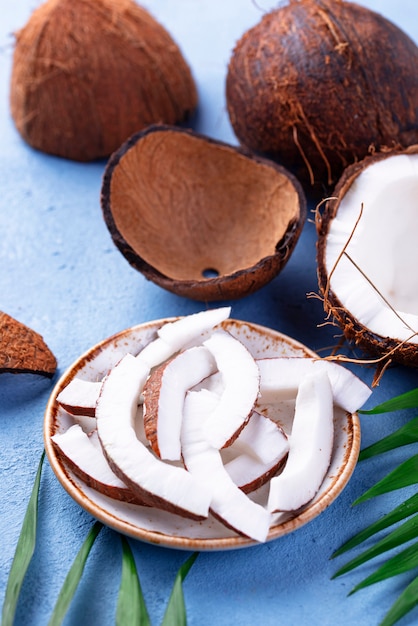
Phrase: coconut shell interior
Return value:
(197, 210)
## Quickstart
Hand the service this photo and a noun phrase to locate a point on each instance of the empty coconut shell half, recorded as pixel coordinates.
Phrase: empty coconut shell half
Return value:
(368, 255)
(199, 217)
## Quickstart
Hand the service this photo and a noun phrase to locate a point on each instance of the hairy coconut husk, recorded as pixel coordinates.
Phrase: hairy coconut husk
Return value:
(22, 350)
(384, 349)
(318, 84)
(87, 74)
(198, 217)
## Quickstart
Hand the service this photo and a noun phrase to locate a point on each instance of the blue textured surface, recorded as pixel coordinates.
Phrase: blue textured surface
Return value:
(61, 275)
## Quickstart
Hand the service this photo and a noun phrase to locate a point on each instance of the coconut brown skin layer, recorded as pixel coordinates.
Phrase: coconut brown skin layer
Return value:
(317, 84)
(87, 74)
(180, 206)
(22, 350)
(355, 331)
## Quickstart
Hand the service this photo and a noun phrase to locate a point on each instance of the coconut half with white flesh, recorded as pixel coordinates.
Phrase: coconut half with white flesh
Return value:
(156, 483)
(310, 446)
(367, 255)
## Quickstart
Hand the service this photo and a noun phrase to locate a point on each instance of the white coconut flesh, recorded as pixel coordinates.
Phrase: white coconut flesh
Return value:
(164, 397)
(241, 383)
(84, 455)
(383, 246)
(234, 508)
(261, 438)
(280, 378)
(79, 397)
(310, 446)
(157, 483)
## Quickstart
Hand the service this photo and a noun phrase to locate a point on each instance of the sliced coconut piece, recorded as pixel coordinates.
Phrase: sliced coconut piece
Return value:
(164, 394)
(280, 378)
(262, 438)
(228, 503)
(177, 335)
(310, 446)
(241, 381)
(249, 473)
(79, 397)
(83, 454)
(157, 483)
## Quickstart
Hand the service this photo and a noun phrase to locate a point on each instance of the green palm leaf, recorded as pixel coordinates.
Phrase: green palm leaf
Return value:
(175, 614)
(24, 551)
(405, 603)
(408, 400)
(73, 577)
(402, 534)
(131, 607)
(404, 436)
(404, 475)
(407, 508)
(398, 564)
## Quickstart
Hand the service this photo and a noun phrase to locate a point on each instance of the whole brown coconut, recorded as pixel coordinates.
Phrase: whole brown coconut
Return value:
(87, 74)
(318, 84)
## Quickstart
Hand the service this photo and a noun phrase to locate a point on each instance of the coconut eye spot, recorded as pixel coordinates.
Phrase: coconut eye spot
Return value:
(210, 272)
(373, 278)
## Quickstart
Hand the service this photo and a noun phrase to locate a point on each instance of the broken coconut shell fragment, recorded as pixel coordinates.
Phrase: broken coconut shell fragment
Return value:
(199, 217)
(317, 84)
(22, 350)
(87, 74)
(367, 255)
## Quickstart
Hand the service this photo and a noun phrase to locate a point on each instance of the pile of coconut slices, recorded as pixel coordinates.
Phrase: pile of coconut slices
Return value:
(179, 426)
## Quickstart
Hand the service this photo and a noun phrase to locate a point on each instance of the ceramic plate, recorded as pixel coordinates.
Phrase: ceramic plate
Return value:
(166, 529)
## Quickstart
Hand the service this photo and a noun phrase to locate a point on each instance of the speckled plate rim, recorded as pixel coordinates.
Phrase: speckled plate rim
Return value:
(349, 431)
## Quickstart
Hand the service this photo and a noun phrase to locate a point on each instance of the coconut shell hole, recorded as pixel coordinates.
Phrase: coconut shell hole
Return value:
(195, 209)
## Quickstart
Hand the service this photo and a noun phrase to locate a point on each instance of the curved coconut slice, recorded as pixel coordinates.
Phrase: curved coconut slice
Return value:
(280, 378)
(84, 456)
(164, 394)
(367, 252)
(260, 450)
(241, 380)
(228, 503)
(262, 438)
(310, 446)
(157, 483)
(175, 336)
(79, 397)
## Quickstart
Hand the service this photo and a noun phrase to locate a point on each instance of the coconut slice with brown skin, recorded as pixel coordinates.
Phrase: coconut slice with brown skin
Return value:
(80, 396)
(367, 253)
(257, 453)
(176, 335)
(310, 446)
(280, 378)
(83, 454)
(164, 393)
(23, 350)
(155, 482)
(241, 382)
(228, 503)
